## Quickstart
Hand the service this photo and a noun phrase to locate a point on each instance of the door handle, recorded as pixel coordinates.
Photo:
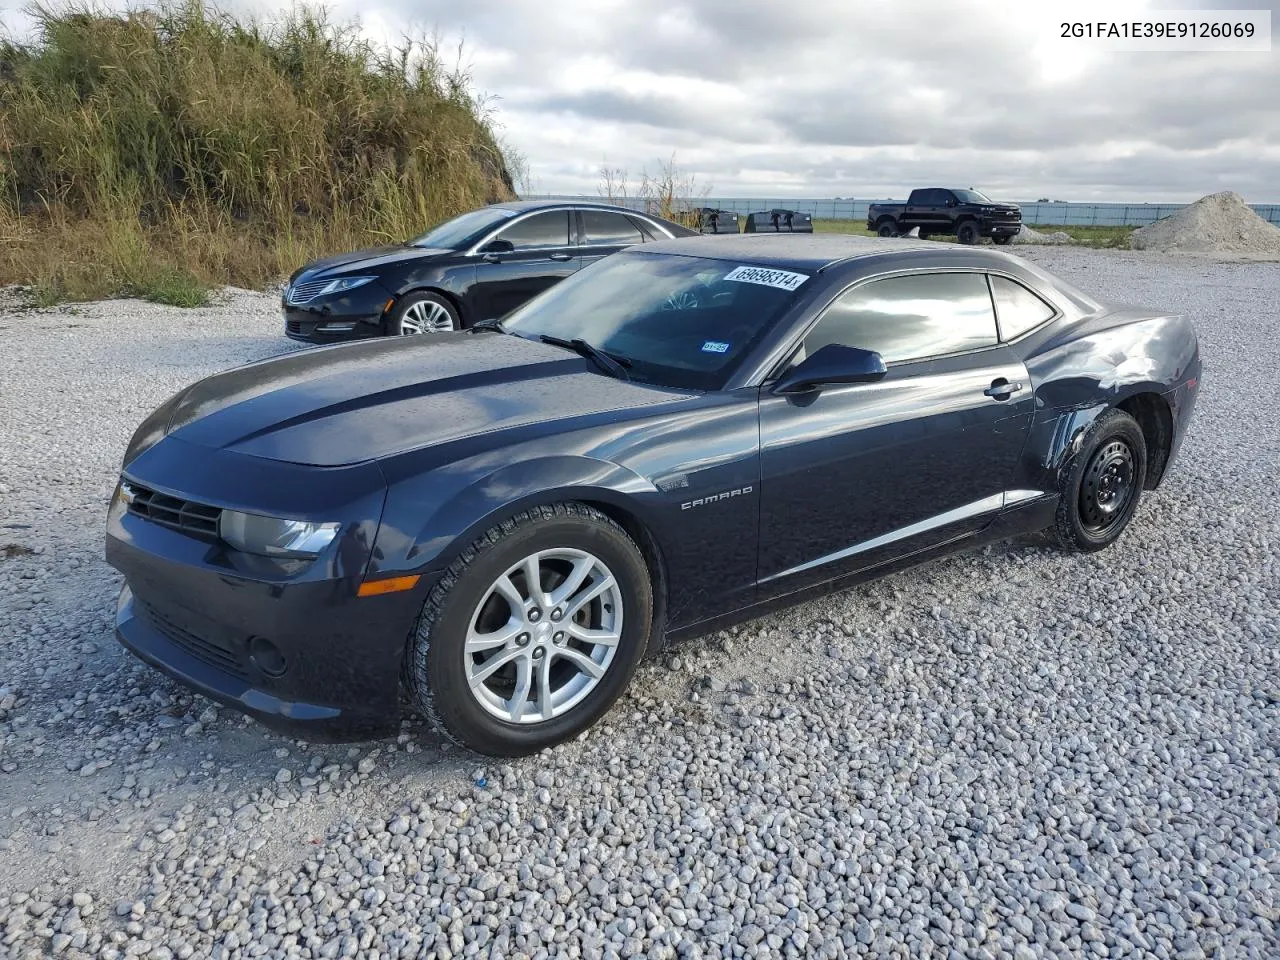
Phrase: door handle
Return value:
(561, 256)
(1002, 389)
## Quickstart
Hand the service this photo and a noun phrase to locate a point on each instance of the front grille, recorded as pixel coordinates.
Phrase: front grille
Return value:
(227, 656)
(306, 292)
(198, 519)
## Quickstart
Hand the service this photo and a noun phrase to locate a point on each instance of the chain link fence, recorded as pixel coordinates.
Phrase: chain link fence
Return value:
(1056, 214)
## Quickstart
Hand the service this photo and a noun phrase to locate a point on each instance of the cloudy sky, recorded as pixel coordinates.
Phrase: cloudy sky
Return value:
(864, 98)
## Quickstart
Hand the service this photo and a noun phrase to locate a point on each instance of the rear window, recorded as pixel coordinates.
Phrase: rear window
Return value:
(679, 321)
(1017, 308)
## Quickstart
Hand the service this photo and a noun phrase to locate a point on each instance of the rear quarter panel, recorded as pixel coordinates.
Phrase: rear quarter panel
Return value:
(1080, 369)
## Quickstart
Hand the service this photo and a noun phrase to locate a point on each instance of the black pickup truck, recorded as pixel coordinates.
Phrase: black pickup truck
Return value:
(966, 213)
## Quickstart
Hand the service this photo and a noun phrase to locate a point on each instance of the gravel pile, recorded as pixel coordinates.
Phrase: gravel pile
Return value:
(1026, 235)
(1015, 753)
(1221, 223)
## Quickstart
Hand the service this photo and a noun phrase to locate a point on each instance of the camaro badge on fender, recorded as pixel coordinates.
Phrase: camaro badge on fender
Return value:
(703, 501)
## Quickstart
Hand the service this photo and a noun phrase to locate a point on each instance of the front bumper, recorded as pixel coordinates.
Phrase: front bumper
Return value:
(357, 315)
(295, 648)
(990, 227)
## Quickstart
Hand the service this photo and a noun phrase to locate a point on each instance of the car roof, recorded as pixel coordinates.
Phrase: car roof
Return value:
(526, 205)
(813, 251)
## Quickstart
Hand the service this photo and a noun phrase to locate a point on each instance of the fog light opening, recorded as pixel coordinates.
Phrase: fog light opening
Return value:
(266, 656)
(337, 326)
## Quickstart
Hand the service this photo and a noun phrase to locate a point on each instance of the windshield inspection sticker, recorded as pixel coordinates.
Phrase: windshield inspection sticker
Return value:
(782, 279)
(715, 346)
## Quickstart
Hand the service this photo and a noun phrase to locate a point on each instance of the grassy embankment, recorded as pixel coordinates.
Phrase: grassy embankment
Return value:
(158, 153)
(1109, 237)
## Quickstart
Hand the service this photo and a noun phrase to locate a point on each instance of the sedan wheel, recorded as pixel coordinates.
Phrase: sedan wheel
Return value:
(533, 650)
(423, 313)
(532, 632)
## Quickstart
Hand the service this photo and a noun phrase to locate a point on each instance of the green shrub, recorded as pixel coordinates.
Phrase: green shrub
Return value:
(182, 142)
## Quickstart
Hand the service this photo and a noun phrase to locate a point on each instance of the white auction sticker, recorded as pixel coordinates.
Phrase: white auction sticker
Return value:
(782, 279)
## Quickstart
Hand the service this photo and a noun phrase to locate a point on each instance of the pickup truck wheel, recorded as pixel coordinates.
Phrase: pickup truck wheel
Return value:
(925, 234)
(886, 228)
(1003, 239)
(533, 632)
(967, 233)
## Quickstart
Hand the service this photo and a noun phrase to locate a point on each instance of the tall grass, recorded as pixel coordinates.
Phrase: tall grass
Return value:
(167, 149)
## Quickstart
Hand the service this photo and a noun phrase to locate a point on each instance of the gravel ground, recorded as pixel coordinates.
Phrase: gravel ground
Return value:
(1015, 753)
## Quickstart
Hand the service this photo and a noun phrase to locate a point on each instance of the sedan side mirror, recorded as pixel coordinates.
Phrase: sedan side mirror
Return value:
(498, 246)
(834, 363)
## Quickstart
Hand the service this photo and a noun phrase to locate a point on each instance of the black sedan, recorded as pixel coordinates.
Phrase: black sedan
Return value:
(503, 522)
(480, 265)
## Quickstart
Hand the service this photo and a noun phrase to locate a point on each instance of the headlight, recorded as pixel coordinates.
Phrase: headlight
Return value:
(273, 537)
(343, 284)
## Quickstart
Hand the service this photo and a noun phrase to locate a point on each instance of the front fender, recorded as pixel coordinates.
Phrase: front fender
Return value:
(429, 519)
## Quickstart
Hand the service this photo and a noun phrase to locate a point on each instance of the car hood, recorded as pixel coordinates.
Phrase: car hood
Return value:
(371, 259)
(339, 405)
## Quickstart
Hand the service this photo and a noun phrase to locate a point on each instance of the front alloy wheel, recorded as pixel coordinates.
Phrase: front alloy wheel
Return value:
(423, 313)
(544, 635)
(532, 632)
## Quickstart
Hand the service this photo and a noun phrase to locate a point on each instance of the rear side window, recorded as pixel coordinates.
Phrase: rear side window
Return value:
(550, 229)
(648, 230)
(910, 318)
(1017, 308)
(601, 228)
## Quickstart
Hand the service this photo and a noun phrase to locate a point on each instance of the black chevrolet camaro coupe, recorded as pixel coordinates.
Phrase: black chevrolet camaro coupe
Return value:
(477, 266)
(503, 522)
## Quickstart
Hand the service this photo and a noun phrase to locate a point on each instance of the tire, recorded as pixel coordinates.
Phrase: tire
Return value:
(1002, 239)
(469, 605)
(925, 234)
(422, 312)
(1101, 483)
(967, 233)
(886, 228)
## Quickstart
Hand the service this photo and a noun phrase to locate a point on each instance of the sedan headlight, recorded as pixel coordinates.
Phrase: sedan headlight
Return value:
(342, 284)
(273, 537)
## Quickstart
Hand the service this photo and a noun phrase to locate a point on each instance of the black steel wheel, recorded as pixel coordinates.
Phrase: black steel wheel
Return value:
(1100, 484)
(1002, 239)
(887, 228)
(967, 233)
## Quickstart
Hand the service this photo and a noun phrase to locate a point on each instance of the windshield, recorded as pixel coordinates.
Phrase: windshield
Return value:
(682, 322)
(970, 196)
(455, 233)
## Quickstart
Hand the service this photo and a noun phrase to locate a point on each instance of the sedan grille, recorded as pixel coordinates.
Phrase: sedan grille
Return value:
(198, 519)
(305, 292)
(226, 656)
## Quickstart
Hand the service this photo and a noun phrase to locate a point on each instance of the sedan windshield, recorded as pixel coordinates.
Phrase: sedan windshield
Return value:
(970, 196)
(458, 232)
(677, 321)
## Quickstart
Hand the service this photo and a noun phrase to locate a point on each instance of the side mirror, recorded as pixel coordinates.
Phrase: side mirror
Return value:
(834, 363)
(498, 246)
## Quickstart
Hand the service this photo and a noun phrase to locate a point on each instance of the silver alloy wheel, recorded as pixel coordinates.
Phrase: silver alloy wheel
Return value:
(543, 635)
(425, 316)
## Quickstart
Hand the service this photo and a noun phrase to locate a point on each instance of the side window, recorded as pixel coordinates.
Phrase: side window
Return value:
(1017, 308)
(550, 229)
(649, 231)
(601, 228)
(910, 318)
